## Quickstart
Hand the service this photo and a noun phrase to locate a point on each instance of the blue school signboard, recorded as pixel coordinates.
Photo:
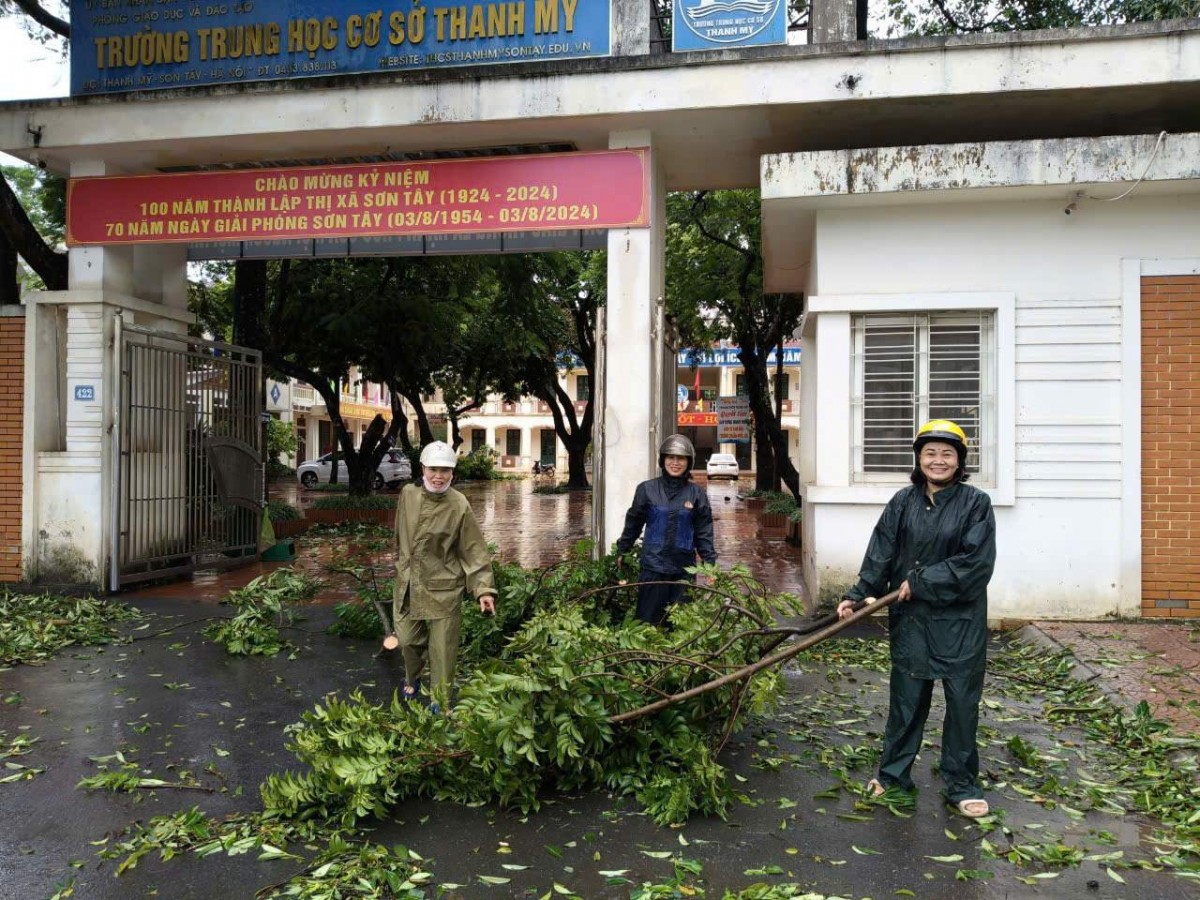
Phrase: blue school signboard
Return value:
(139, 45)
(721, 24)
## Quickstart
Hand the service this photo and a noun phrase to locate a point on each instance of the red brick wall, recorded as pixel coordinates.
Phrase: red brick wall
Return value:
(12, 404)
(1171, 446)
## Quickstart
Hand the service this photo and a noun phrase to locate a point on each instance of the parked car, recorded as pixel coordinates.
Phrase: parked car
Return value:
(723, 465)
(393, 469)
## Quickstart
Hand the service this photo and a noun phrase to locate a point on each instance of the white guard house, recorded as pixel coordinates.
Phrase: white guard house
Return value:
(1003, 227)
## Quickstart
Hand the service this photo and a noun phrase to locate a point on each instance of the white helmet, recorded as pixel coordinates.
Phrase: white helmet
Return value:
(439, 455)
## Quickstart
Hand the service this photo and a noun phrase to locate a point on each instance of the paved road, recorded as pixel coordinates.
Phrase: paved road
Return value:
(175, 702)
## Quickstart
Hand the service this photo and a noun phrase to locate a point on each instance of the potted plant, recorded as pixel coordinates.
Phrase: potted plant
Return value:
(776, 513)
(286, 519)
(794, 530)
(348, 508)
(755, 499)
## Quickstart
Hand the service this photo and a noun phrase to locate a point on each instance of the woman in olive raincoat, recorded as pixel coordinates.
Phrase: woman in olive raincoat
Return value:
(936, 543)
(440, 554)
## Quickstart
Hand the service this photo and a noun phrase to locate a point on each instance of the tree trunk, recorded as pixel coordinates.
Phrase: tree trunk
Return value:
(764, 455)
(577, 468)
(50, 265)
(424, 432)
(10, 288)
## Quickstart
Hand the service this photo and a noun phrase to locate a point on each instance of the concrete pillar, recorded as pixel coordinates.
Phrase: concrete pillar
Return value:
(630, 27)
(490, 438)
(632, 398)
(833, 21)
(527, 451)
(70, 391)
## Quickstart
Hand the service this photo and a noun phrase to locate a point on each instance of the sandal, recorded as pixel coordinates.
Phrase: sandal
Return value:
(410, 691)
(973, 808)
(875, 788)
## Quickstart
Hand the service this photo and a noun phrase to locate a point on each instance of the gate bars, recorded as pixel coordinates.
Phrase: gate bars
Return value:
(175, 394)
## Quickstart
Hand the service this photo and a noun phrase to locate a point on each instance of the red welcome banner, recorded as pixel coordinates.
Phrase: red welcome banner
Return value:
(603, 189)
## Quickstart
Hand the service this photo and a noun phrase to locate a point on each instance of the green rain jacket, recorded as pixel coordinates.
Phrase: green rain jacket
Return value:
(440, 553)
(946, 549)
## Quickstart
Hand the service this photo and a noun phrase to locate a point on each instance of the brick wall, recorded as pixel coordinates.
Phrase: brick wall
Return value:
(1171, 446)
(12, 402)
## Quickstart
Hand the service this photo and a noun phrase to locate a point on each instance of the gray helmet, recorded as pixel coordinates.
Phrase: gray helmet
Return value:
(677, 445)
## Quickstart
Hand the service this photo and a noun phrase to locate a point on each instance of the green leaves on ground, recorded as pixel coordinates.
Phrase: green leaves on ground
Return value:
(10, 749)
(536, 716)
(262, 611)
(33, 627)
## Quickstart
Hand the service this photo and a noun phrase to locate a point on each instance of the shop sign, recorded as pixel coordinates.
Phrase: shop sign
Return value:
(733, 420)
(696, 419)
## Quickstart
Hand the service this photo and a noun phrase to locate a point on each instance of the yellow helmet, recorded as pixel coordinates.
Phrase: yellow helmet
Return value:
(946, 432)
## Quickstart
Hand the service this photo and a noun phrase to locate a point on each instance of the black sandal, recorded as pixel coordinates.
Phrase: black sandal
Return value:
(410, 691)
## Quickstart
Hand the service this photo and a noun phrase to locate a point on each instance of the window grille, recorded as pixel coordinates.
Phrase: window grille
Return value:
(512, 442)
(909, 369)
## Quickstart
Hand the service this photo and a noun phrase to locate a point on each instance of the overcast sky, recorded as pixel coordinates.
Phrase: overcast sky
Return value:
(28, 70)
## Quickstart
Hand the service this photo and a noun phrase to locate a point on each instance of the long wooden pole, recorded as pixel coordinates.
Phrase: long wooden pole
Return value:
(861, 611)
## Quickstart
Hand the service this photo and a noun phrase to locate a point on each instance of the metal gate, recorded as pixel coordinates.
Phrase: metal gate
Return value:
(187, 454)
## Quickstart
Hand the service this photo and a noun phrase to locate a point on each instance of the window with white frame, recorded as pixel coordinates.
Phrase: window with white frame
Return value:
(909, 369)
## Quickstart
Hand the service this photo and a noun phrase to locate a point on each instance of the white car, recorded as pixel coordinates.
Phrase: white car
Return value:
(723, 465)
(394, 468)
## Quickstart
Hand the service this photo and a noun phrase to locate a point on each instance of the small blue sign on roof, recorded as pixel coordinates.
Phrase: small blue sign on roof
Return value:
(721, 24)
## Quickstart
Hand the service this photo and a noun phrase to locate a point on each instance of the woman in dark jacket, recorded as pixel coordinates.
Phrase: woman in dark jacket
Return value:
(678, 523)
(936, 543)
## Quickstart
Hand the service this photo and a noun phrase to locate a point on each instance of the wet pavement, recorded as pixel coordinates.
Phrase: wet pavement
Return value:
(176, 703)
(1133, 662)
(532, 529)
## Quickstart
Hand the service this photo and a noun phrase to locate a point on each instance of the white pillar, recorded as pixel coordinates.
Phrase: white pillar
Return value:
(631, 403)
(527, 450)
(490, 437)
(69, 402)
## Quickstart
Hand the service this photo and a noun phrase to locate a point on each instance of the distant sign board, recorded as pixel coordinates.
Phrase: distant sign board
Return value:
(727, 357)
(721, 24)
(696, 419)
(136, 45)
(733, 419)
(464, 198)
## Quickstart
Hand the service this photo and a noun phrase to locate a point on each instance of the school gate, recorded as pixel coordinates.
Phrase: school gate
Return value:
(969, 219)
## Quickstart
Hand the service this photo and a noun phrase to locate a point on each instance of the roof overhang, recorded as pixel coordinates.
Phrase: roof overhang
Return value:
(712, 116)
(796, 186)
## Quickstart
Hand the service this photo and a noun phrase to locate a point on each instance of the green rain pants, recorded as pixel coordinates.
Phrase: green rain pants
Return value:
(433, 643)
(909, 708)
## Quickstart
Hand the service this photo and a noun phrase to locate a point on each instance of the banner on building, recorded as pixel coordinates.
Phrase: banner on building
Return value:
(733, 420)
(727, 357)
(457, 197)
(721, 24)
(135, 45)
(696, 419)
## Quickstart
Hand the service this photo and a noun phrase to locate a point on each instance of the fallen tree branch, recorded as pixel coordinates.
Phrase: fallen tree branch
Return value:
(861, 612)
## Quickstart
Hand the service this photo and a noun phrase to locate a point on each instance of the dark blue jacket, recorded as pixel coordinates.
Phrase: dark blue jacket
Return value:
(677, 528)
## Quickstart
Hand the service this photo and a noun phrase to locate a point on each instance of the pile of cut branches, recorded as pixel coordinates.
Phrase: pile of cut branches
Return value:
(262, 610)
(33, 627)
(561, 705)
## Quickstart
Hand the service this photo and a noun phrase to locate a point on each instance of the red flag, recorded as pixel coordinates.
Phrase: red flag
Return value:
(697, 388)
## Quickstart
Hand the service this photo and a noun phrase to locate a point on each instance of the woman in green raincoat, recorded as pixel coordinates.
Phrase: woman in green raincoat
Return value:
(440, 555)
(936, 543)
